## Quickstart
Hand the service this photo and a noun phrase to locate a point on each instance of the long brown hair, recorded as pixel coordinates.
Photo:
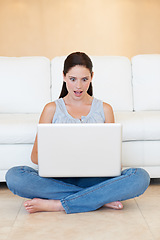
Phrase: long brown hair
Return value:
(76, 58)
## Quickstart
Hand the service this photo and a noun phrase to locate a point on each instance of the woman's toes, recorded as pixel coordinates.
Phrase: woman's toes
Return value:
(114, 205)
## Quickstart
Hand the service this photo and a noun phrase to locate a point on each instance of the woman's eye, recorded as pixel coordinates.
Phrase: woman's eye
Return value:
(72, 79)
(85, 79)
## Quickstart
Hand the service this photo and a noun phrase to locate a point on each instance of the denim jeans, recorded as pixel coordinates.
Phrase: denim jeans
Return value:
(78, 194)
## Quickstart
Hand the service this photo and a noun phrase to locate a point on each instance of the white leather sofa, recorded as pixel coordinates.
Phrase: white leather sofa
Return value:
(131, 87)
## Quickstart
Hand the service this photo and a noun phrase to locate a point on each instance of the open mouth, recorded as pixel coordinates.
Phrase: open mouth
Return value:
(78, 93)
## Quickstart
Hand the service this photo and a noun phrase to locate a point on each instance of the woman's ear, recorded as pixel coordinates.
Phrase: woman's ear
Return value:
(92, 75)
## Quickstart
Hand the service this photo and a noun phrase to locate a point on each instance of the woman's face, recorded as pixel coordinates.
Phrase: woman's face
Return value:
(77, 81)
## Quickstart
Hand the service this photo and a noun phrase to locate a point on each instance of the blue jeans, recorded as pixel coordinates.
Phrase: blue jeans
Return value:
(78, 194)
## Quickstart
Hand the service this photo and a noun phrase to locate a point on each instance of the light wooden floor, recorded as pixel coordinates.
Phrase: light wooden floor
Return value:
(140, 219)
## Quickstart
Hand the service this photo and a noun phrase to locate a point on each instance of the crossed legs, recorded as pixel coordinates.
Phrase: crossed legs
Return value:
(63, 194)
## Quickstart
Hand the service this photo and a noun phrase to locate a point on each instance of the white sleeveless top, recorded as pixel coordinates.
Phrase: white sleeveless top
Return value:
(96, 114)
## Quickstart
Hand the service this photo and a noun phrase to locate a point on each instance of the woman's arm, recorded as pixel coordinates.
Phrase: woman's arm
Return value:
(46, 117)
(108, 113)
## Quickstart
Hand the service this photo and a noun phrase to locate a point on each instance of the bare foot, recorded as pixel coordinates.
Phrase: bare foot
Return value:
(43, 205)
(115, 205)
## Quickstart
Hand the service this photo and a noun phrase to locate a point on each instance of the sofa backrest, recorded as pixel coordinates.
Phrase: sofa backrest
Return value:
(146, 82)
(111, 81)
(24, 84)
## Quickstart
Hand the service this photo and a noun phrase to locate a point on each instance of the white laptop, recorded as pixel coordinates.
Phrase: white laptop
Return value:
(79, 150)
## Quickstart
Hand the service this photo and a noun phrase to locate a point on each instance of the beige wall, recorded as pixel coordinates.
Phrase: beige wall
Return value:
(98, 27)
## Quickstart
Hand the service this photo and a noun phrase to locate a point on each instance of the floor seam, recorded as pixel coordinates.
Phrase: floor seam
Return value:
(145, 220)
(8, 237)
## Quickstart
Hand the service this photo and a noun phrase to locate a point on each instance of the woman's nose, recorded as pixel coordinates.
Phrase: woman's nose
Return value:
(78, 85)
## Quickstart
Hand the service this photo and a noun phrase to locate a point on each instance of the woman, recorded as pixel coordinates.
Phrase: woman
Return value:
(72, 195)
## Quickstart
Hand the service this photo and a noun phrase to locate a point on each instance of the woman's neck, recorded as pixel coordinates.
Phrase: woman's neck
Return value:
(86, 100)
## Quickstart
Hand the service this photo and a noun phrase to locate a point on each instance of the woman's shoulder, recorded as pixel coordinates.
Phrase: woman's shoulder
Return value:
(108, 112)
(107, 106)
(48, 112)
(50, 107)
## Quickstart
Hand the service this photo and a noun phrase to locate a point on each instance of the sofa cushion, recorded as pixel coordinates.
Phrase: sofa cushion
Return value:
(24, 84)
(146, 82)
(139, 126)
(111, 81)
(19, 155)
(18, 128)
(141, 154)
